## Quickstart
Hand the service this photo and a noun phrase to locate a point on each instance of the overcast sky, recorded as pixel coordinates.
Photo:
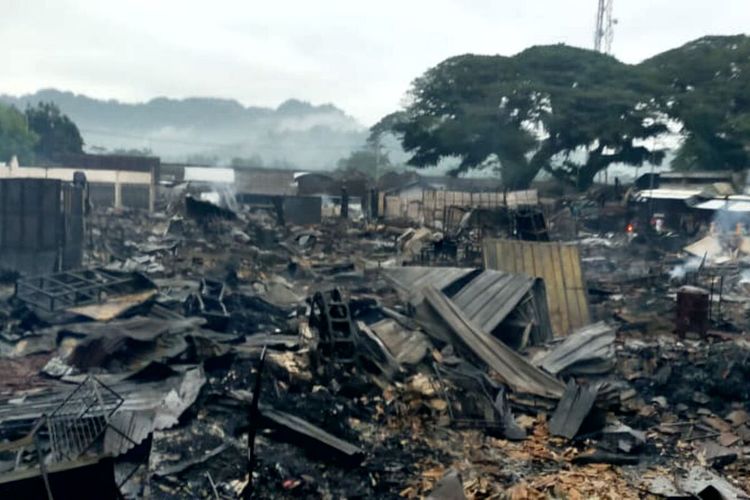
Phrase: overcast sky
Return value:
(358, 55)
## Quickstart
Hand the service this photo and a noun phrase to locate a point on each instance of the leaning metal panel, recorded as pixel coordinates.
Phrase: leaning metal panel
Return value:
(53, 292)
(81, 419)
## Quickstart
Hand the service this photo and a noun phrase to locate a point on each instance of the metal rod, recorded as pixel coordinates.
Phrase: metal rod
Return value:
(43, 468)
(213, 485)
(254, 417)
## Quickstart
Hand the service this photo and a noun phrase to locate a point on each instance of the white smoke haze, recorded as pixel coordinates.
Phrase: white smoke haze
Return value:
(691, 265)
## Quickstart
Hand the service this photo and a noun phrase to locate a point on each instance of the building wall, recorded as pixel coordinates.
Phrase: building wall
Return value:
(102, 194)
(265, 181)
(135, 196)
(298, 210)
(115, 178)
(303, 210)
(41, 225)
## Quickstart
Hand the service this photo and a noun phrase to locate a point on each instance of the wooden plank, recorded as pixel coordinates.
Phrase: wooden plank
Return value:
(555, 293)
(578, 290)
(557, 277)
(568, 285)
(553, 286)
(571, 304)
(519, 266)
(528, 258)
(507, 256)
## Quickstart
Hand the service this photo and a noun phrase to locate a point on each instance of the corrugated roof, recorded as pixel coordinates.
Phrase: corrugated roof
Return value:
(486, 299)
(491, 296)
(411, 280)
(708, 174)
(667, 194)
(733, 204)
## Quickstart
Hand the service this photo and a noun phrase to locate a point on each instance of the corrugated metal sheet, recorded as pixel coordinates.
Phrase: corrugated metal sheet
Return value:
(559, 265)
(731, 205)
(491, 296)
(667, 194)
(514, 369)
(486, 297)
(411, 280)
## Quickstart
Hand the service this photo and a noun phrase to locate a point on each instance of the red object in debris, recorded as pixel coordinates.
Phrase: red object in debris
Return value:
(630, 228)
(290, 484)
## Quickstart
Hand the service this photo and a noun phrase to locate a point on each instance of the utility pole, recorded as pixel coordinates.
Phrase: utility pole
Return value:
(376, 150)
(605, 27)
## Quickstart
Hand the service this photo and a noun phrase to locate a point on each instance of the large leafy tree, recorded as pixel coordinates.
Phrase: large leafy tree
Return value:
(370, 162)
(707, 89)
(569, 111)
(57, 133)
(15, 137)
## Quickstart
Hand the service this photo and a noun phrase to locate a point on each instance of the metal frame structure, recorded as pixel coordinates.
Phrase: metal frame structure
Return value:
(72, 428)
(81, 419)
(330, 315)
(52, 292)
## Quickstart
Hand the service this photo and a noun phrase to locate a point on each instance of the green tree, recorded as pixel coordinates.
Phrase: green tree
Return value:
(569, 111)
(366, 161)
(57, 133)
(707, 89)
(15, 137)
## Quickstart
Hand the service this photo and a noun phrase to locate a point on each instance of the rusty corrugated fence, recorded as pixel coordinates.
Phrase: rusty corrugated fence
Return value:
(558, 264)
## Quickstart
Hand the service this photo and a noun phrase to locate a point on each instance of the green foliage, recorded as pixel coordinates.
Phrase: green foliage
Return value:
(15, 137)
(573, 112)
(366, 161)
(57, 133)
(707, 88)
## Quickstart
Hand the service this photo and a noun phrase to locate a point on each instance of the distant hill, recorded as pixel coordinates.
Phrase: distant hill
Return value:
(297, 132)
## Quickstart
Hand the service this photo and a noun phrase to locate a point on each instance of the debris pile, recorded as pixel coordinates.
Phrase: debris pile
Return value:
(216, 352)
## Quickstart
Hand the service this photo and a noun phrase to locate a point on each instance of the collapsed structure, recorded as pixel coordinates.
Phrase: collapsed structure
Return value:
(229, 344)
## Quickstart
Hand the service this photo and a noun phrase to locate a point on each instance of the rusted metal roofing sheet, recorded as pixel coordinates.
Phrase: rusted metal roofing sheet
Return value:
(559, 265)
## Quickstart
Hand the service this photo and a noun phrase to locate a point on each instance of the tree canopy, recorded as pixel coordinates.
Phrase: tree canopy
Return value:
(706, 86)
(366, 161)
(56, 132)
(571, 112)
(15, 137)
